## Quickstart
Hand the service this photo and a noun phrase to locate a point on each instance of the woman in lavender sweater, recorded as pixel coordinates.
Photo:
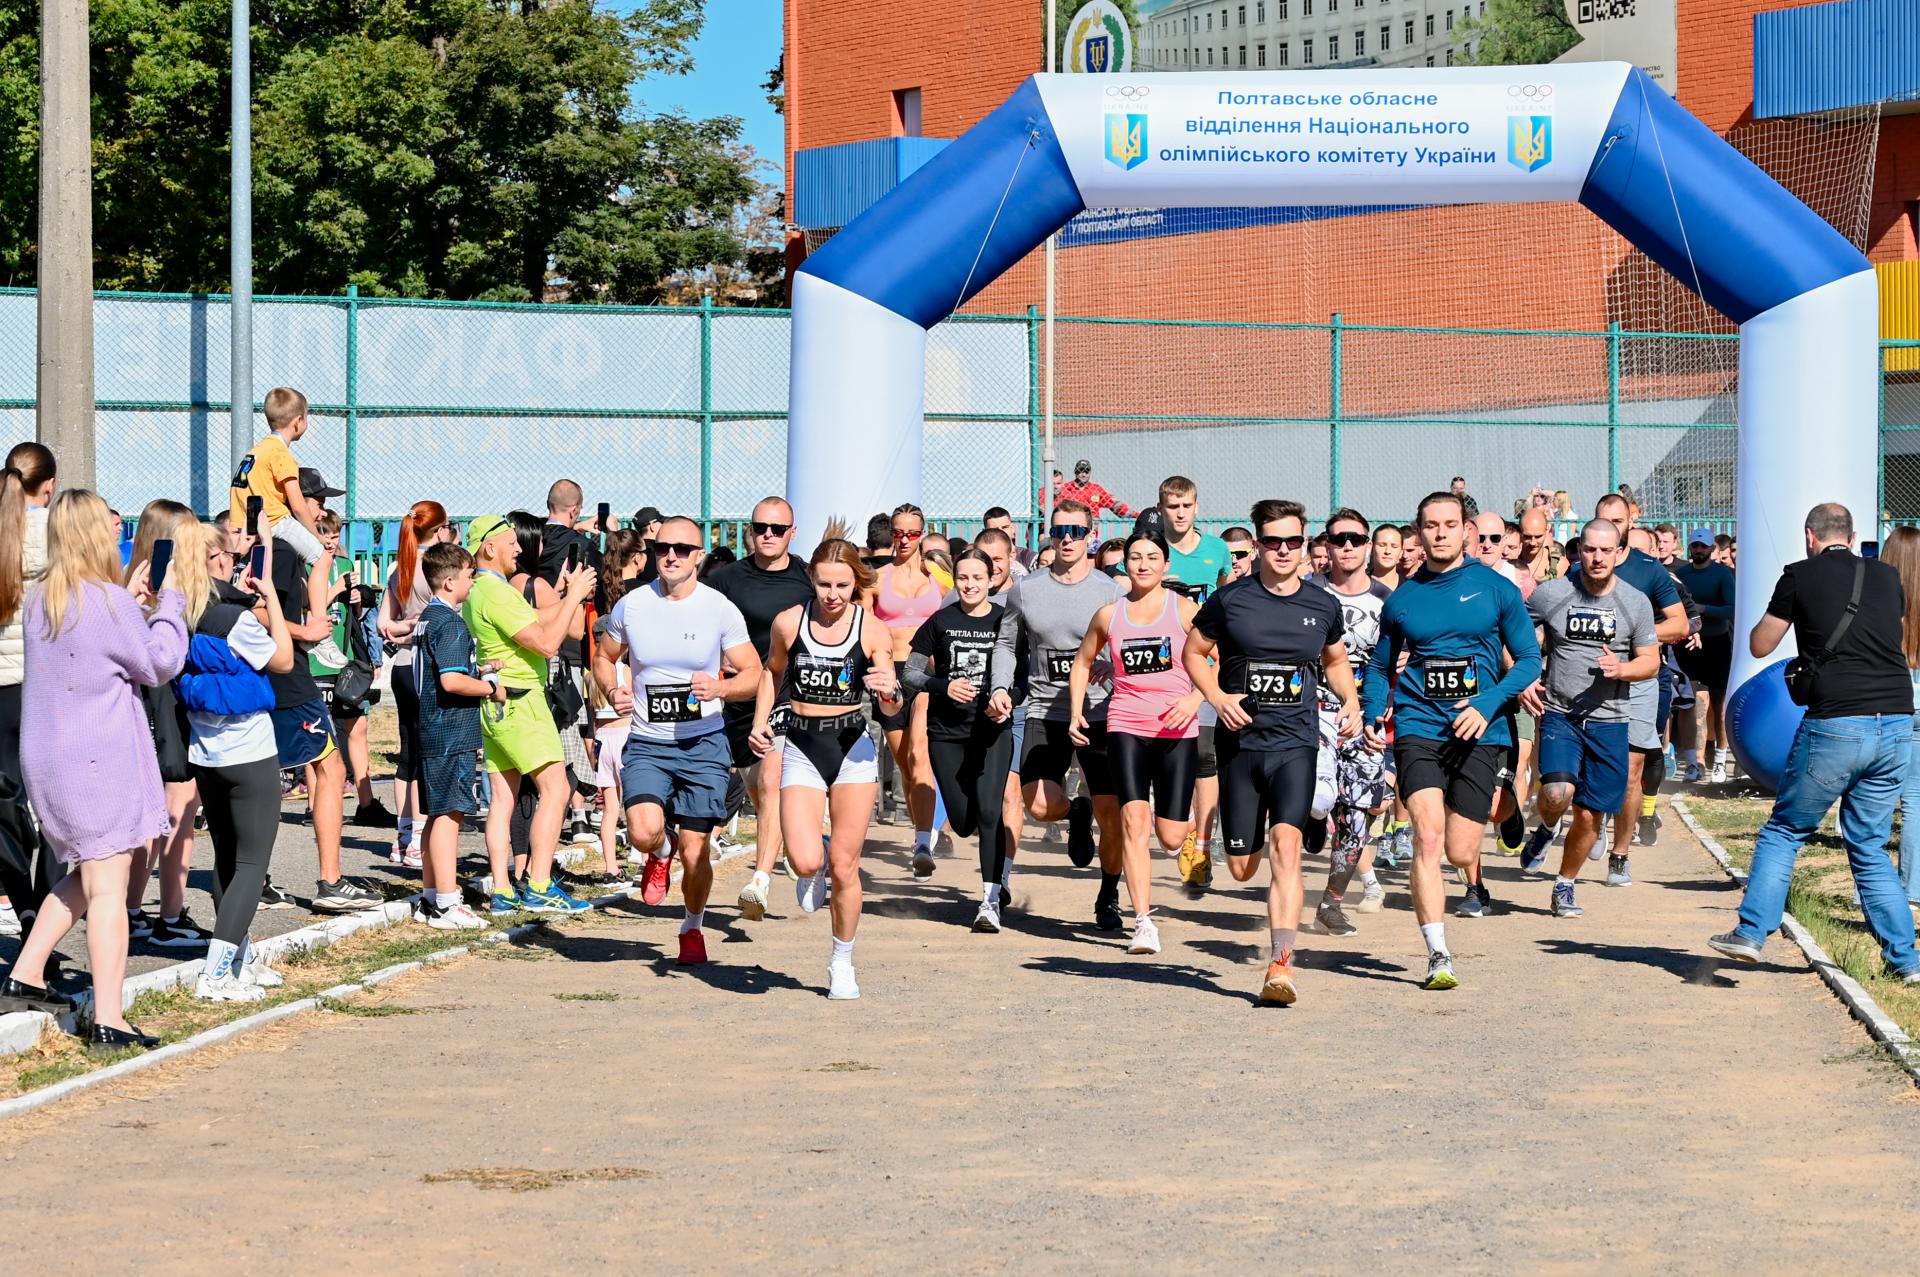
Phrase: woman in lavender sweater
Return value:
(87, 752)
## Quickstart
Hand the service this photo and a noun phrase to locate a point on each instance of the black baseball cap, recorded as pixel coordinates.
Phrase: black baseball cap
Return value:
(312, 485)
(1082, 466)
(645, 515)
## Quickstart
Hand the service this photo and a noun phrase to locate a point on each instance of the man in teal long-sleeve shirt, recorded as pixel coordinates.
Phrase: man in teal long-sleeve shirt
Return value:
(1457, 621)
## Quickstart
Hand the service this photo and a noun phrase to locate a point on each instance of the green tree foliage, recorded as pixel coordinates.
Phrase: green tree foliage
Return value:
(445, 148)
(1518, 33)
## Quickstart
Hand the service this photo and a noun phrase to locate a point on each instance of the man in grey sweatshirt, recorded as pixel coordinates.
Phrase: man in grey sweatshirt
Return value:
(1051, 611)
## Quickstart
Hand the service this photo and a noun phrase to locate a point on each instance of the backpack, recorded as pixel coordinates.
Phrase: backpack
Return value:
(214, 679)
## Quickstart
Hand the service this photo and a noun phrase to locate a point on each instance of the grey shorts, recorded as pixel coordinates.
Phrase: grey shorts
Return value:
(1643, 717)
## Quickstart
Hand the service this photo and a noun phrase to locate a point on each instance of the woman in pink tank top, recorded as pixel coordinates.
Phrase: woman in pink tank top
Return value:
(1151, 732)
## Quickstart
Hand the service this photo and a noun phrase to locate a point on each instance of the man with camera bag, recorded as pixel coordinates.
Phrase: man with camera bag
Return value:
(1853, 745)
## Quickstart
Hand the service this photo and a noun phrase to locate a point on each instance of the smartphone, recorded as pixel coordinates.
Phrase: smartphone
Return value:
(254, 505)
(1869, 549)
(258, 564)
(157, 565)
(605, 513)
(573, 556)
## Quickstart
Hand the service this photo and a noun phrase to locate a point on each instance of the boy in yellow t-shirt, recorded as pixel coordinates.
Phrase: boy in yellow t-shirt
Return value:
(270, 472)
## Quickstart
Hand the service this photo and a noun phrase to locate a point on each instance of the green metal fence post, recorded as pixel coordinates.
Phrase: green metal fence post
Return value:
(1334, 335)
(1036, 482)
(706, 411)
(353, 401)
(1613, 406)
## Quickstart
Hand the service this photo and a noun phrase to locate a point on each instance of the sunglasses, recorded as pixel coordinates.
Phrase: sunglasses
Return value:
(1067, 532)
(1347, 540)
(900, 535)
(1241, 554)
(770, 529)
(1495, 539)
(1282, 543)
(674, 550)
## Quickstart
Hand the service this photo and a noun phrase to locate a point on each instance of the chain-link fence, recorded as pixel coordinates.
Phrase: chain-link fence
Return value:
(482, 406)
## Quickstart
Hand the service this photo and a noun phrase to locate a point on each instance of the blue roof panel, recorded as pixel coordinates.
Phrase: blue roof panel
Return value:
(1827, 57)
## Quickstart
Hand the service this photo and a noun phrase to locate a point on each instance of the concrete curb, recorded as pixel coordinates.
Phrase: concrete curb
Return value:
(308, 937)
(1850, 992)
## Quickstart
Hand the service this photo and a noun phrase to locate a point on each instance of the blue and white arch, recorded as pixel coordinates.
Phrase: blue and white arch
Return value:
(1602, 134)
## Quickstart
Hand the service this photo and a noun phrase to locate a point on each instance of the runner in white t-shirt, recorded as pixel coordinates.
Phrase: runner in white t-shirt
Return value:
(688, 649)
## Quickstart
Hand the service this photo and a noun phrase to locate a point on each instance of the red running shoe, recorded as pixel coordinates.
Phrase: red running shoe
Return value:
(653, 884)
(693, 948)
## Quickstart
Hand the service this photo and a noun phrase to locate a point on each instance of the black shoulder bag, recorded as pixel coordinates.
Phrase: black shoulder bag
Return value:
(1803, 671)
(353, 685)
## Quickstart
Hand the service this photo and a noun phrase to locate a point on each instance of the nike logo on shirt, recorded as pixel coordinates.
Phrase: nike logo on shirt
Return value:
(1468, 598)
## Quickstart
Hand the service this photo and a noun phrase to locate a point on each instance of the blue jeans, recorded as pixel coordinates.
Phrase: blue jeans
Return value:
(1910, 825)
(1862, 763)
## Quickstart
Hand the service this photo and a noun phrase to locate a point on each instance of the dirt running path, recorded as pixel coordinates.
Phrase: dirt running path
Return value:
(1595, 1094)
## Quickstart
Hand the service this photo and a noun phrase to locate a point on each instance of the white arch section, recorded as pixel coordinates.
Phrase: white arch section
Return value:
(1600, 134)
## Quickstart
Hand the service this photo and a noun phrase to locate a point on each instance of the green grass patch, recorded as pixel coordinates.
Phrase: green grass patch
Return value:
(1820, 895)
(598, 995)
(49, 1072)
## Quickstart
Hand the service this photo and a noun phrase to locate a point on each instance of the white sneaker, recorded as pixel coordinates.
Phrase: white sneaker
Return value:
(459, 918)
(811, 890)
(1371, 899)
(753, 897)
(1052, 835)
(943, 844)
(227, 989)
(923, 861)
(9, 923)
(726, 845)
(1146, 936)
(841, 986)
(1719, 773)
(257, 972)
(988, 919)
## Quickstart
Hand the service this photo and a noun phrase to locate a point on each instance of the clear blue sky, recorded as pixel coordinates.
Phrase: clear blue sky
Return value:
(736, 49)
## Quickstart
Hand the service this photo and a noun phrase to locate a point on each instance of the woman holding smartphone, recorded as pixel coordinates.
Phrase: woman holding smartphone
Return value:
(91, 776)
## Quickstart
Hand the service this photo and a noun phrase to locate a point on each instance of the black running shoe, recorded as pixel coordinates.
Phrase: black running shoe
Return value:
(271, 897)
(1534, 854)
(374, 815)
(182, 933)
(1106, 910)
(140, 924)
(1081, 848)
(1647, 830)
(345, 896)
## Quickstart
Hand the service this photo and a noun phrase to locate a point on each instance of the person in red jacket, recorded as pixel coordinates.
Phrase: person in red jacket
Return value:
(1097, 498)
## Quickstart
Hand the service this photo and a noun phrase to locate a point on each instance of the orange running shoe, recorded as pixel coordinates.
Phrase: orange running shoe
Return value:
(1279, 990)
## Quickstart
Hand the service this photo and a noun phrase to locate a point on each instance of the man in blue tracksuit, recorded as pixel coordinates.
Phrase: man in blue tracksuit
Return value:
(1456, 621)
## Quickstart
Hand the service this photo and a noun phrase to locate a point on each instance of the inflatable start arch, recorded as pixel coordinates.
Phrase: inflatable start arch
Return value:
(1602, 134)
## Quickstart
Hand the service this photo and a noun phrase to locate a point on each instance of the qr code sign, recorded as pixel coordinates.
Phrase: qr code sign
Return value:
(1605, 10)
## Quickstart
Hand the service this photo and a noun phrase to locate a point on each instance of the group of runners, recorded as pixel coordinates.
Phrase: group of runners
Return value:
(1391, 705)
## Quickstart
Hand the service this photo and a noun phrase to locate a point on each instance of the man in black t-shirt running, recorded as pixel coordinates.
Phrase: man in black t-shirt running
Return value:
(763, 585)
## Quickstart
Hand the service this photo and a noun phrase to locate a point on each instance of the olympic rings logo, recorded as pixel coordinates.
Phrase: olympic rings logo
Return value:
(1133, 92)
(1531, 92)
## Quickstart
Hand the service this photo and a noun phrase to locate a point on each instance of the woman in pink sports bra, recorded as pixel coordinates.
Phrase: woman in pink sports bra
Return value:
(1153, 736)
(904, 598)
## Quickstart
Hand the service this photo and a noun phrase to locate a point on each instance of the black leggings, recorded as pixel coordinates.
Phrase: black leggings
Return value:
(18, 840)
(406, 705)
(1159, 770)
(242, 803)
(972, 776)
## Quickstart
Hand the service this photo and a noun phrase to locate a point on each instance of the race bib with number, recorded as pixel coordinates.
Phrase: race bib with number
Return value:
(671, 703)
(1059, 663)
(1146, 656)
(1591, 623)
(967, 658)
(1442, 678)
(824, 680)
(1275, 683)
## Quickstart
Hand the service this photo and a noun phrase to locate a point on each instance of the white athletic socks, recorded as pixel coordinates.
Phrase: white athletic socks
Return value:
(223, 960)
(1561, 880)
(694, 921)
(842, 951)
(922, 839)
(1203, 846)
(1370, 880)
(1283, 938)
(445, 900)
(993, 894)
(1435, 934)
